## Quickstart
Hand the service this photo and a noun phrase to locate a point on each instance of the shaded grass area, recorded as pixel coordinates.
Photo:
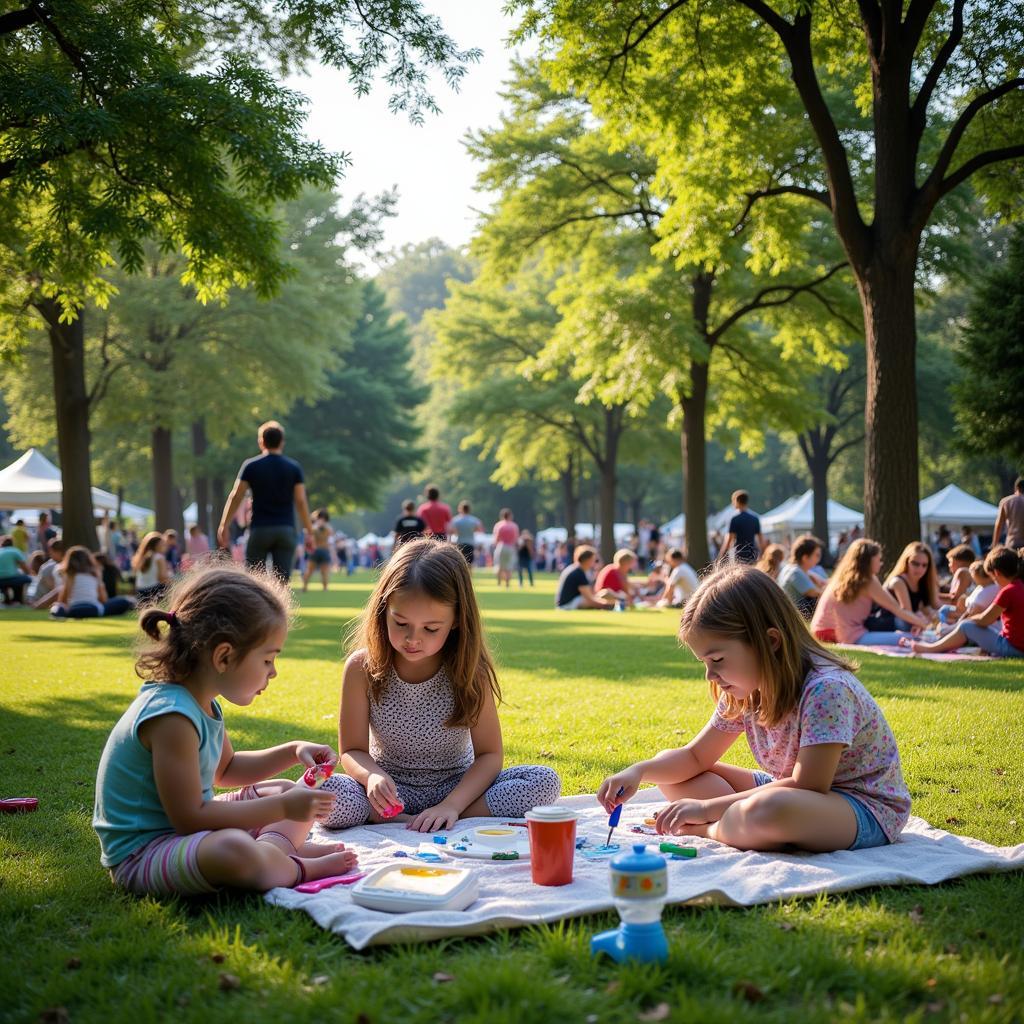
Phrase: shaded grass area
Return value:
(586, 693)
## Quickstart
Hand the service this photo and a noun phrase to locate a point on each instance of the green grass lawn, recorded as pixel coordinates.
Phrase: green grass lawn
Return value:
(586, 693)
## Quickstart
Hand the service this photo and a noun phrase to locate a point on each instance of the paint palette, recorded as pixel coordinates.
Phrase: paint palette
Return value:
(405, 888)
(491, 842)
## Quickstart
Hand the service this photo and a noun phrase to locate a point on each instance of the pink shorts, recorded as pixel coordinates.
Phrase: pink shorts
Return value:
(169, 864)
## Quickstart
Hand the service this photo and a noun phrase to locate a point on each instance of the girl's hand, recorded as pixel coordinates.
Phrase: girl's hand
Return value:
(310, 754)
(440, 816)
(628, 781)
(674, 819)
(302, 804)
(381, 792)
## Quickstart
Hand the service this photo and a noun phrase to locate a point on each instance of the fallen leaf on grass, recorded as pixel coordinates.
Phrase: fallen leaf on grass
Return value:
(930, 983)
(916, 914)
(787, 926)
(547, 753)
(320, 979)
(953, 820)
(998, 771)
(218, 958)
(749, 991)
(613, 986)
(996, 998)
(441, 978)
(936, 1007)
(55, 1015)
(73, 963)
(228, 982)
(659, 1012)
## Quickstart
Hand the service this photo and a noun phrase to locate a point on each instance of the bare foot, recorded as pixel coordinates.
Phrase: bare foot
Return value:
(319, 849)
(334, 863)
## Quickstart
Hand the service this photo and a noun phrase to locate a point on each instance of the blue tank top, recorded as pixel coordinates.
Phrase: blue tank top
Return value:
(128, 813)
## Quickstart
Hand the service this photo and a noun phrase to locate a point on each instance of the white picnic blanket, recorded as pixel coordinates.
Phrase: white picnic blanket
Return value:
(719, 874)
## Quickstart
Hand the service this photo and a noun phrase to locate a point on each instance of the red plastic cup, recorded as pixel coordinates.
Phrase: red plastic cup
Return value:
(552, 832)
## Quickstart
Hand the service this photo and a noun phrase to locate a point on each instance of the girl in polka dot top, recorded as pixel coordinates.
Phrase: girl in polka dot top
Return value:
(829, 773)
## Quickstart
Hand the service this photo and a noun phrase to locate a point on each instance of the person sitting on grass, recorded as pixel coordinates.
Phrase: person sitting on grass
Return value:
(1006, 567)
(161, 829)
(795, 577)
(47, 585)
(152, 573)
(419, 734)
(613, 580)
(915, 584)
(682, 580)
(83, 595)
(829, 775)
(771, 560)
(14, 574)
(574, 588)
(846, 604)
(954, 600)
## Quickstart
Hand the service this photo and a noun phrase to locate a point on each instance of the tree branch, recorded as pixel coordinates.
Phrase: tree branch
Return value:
(631, 44)
(921, 9)
(14, 21)
(964, 171)
(762, 301)
(796, 38)
(779, 190)
(949, 147)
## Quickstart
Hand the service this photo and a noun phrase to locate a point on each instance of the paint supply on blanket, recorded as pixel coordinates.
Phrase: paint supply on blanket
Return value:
(392, 809)
(613, 818)
(639, 884)
(600, 852)
(328, 883)
(552, 834)
(317, 774)
(678, 852)
(491, 842)
(400, 888)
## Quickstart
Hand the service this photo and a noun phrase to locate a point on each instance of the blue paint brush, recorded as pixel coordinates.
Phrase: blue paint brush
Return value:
(613, 819)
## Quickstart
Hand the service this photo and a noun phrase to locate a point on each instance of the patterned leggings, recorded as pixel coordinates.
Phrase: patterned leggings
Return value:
(511, 795)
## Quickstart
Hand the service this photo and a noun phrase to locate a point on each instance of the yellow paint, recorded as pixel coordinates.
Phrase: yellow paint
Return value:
(423, 872)
(495, 832)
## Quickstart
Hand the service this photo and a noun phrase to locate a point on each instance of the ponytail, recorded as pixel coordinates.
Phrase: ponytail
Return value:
(150, 619)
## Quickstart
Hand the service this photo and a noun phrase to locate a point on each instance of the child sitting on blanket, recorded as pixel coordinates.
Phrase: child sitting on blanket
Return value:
(830, 775)
(419, 724)
(1006, 567)
(161, 829)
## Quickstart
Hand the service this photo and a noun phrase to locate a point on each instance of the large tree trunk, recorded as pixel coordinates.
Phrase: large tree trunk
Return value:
(891, 490)
(163, 478)
(819, 481)
(201, 482)
(71, 403)
(694, 452)
(609, 473)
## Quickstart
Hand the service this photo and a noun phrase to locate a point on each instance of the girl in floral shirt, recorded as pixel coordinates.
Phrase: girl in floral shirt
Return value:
(829, 777)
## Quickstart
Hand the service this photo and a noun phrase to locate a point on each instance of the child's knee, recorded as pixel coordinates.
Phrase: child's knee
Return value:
(351, 804)
(230, 856)
(548, 785)
(768, 812)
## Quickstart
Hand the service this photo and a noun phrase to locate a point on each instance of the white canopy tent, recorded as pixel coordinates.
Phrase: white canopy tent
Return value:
(954, 508)
(675, 527)
(33, 481)
(584, 531)
(796, 514)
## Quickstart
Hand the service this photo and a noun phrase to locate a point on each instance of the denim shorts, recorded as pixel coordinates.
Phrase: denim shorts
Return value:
(869, 832)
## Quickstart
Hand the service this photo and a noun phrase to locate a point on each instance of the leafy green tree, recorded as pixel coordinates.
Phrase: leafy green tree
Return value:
(990, 361)
(634, 324)
(870, 114)
(160, 121)
(364, 431)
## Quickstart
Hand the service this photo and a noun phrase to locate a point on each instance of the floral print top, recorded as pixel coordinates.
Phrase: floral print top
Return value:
(835, 708)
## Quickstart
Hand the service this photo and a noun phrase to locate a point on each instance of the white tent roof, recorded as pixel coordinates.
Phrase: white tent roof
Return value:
(954, 507)
(797, 513)
(33, 481)
(675, 526)
(584, 531)
(137, 513)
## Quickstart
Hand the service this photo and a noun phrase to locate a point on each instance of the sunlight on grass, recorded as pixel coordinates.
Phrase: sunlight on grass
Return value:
(586, 693)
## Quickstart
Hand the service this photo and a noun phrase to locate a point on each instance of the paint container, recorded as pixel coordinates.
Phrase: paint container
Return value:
(552, 832)
(639, 885)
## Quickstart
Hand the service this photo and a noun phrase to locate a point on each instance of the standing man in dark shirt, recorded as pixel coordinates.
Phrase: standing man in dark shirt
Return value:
(744, 536)
(278, 489)
(409, 525)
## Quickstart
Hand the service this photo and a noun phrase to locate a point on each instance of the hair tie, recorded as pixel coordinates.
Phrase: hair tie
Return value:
(172, 618)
